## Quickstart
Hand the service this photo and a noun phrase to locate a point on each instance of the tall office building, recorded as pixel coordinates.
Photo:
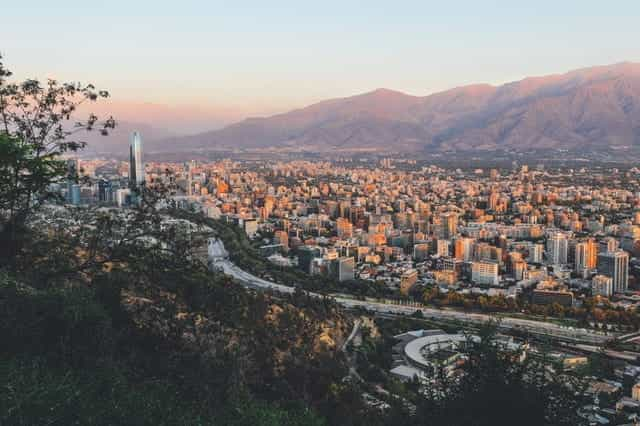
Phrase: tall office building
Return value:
(557, 248)
(601, 285)
(136, 165)
(73, 169)
(535, 253)
(586, 256)
(306, 254)
(615, 264)
(105, 191)
(449, 223)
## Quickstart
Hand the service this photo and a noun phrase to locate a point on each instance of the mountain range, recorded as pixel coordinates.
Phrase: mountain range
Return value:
(595, 108)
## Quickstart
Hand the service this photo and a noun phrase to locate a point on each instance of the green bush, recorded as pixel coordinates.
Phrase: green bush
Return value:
(66, 324)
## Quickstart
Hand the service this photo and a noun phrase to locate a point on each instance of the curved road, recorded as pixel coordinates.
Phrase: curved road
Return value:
(530, 326)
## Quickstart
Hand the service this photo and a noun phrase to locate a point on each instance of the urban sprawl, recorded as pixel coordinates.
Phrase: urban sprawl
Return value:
(529, 241)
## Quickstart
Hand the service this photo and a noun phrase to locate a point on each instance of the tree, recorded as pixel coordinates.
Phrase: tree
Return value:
(36, 129)
(23, 175)
(495, 388)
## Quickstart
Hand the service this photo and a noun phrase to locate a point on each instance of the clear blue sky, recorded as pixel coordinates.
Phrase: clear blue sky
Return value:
(279, 54)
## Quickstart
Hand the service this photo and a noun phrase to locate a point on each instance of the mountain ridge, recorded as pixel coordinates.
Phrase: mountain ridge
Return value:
(594, 107)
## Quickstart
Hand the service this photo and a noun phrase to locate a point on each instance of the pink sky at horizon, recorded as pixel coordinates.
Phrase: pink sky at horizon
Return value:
(176, 118)
(183, 118)
(192, 65)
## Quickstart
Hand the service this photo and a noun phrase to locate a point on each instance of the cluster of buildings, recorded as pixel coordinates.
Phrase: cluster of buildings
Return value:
(105, 182)
(400, 224)
(554, 236)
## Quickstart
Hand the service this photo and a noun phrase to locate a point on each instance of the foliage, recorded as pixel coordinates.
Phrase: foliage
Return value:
(22, 175)
(34, 133)
(593, 309)
(67, 324)
(33, 392)
(492, 387)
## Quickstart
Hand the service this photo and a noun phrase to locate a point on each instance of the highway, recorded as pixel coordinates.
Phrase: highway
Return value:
(509, 323)
(529, 326)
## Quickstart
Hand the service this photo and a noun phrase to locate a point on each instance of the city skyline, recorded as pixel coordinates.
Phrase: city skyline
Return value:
(375, 272)
(320, 214)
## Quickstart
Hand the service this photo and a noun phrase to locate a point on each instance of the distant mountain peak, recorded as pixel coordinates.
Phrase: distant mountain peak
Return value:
(588, 108)
(381, 91)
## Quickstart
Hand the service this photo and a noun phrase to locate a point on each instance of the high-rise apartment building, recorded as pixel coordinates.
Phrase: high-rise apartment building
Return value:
(420, 252)
(449, 223)
(586, 256)
(485, 251)
(282, 237)
(535, 253)
(557, 248)
(615, 264)
(601, 285)
(346, 268)
(485, 272)
(464, 249)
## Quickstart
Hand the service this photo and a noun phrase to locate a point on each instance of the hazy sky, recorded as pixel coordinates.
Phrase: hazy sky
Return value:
(252, 57)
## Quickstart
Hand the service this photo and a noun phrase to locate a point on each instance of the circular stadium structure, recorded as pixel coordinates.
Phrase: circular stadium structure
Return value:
(442, 349)
(422, 352)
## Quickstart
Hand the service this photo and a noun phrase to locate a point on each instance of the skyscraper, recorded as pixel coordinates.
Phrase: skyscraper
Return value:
(136, 166)
(615, 264)
(557, 248)
(586, 254)
(105, 191)
(601, 285)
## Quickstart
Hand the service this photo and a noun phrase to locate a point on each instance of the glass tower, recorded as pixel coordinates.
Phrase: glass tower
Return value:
(136, 166)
